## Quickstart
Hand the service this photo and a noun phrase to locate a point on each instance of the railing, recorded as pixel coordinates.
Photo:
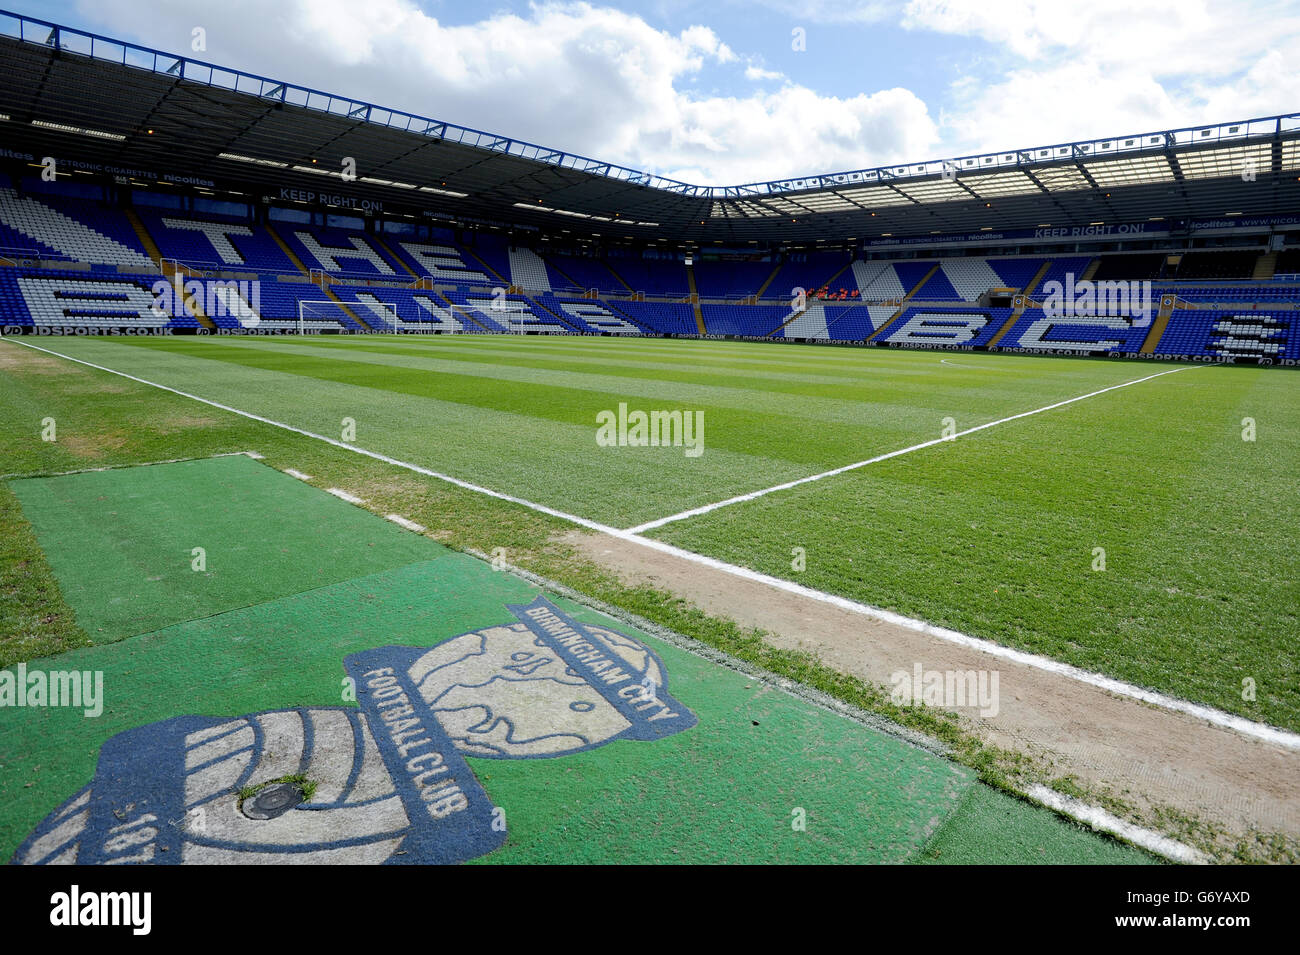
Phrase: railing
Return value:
(186, 268)
(17, 254)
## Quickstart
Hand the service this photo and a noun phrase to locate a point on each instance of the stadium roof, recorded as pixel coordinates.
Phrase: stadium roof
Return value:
(84, 97)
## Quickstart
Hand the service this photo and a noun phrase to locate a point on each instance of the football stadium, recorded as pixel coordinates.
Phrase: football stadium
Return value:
(378, 489)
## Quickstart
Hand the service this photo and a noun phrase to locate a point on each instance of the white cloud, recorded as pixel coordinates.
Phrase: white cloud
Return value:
(1051, 71)
(1112, 67)
(757, 74)
(606, 84)
(586, 79)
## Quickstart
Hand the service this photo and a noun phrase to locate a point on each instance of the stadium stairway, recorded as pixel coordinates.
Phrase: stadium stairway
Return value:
(695, 299)
(795, 315)
(549, 262)
(903, 305)
(838, 272)
(1158, 326)
(487, 269)
(1038, 276)
(1265, 267)
(344, 306)
(616, 275)
(1088, 273)
(400, 260)
(284, 247)
(1023, 298)
(1016, 312)
(298, 263)
(762, 289)
(194, 304)
(347, 310)
(146, 240)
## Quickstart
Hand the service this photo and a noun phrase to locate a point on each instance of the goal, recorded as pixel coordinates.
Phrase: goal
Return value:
(326, 315)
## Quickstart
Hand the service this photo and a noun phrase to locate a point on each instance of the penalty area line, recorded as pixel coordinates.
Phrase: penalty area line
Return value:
(752, 495)
(1218, 718)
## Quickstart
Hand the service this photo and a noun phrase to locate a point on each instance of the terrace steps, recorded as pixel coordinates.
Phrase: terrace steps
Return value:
(1159, 325)
(379, 241)
(902, 306)
(563, 274)
(794, 315)
(695, 299)
(772, 277)
(487, 269)
(193, 305)
(616, 275)
(1021, 302)
(284, 247)
(1265, 267)
(150, 246)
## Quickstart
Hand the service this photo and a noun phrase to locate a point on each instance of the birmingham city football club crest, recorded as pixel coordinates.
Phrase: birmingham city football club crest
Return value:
(383, 782)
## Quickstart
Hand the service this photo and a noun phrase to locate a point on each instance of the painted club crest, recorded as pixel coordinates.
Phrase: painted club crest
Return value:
(383, 782)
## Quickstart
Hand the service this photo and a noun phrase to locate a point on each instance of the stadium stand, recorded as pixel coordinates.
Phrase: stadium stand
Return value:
(1060, 269)
(664, 277)
(722, 279)
(1217, 265)
(568, 271)
(215, 243)
(79, 231)
(97, 274)
(444, 263)
(1131, 267)
(340, 252)
(528, 270)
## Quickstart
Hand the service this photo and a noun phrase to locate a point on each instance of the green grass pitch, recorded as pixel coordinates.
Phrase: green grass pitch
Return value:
(995, 534)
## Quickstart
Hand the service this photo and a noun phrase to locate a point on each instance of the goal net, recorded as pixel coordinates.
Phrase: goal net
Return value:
(325, 315)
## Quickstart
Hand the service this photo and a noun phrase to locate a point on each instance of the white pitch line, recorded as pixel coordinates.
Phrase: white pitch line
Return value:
(953, 364)
(1219, 718)
(1101, 819)
(297, 474)
(344, 495)
(404, 522)
(542, 508)
(22, 476)
(752, 495)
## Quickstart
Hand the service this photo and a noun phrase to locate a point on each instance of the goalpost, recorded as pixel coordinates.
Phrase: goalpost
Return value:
(318, 315)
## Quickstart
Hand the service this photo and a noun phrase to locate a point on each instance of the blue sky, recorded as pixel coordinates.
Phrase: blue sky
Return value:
(715, 93)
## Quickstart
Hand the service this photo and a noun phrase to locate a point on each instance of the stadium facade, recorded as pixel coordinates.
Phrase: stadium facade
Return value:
(145, 191)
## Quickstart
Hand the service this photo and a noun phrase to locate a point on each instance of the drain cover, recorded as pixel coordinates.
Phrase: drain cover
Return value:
(273, 801)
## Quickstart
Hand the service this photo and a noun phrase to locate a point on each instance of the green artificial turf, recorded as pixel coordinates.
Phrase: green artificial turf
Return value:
(123, 542)
(860, 795)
